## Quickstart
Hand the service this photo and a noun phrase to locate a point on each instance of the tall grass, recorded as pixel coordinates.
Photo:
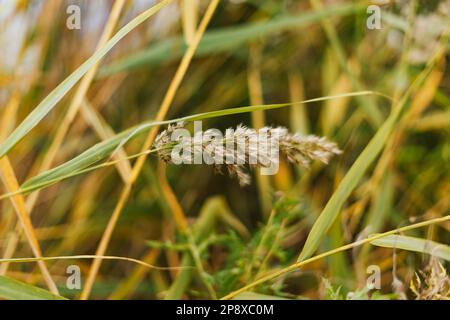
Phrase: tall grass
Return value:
(82, 183)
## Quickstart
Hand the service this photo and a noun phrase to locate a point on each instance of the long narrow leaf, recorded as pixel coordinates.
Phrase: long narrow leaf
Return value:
(11, 289)
(414, 244)
(61, 90)
(358, 169)
(106, 148)
(226, 39)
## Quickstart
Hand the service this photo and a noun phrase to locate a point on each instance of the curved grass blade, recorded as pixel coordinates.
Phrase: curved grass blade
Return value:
(343, 248)
(12, 289)
(104, 149)
(359, 168)
(414, 244)
(92, 256)
(226, 39)
(61, 90)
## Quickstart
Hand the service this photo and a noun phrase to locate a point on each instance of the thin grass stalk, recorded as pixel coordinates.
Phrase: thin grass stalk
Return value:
(165, 105)
(258, 120)
(183, 228)
(189, 9)
(71, 113)
(353, 176)
(352, 245)
(78, 98)
(9, 179)
(51, 100)
(39, 181)
(129, 284)
(204, 225)
(91, 256)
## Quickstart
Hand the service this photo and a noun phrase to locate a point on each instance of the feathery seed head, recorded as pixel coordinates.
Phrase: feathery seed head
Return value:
(242, 148)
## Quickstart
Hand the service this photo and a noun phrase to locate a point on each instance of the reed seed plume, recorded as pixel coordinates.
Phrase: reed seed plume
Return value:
(243, 148)
(242, 198)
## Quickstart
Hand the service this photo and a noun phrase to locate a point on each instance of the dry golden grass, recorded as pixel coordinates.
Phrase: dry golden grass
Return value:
(82, 184)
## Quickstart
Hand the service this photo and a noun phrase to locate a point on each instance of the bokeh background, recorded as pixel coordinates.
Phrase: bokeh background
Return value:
(252, 52)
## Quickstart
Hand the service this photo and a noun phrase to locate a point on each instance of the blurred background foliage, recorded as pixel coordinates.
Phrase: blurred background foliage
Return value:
(253, 52)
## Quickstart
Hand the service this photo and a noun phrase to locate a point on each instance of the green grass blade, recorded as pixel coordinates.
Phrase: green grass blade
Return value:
(226, 39)
(11, 289)
(248, 295)
(358, 169)
(347, 185)
(104, 149)
(414, 244)
(61, 90)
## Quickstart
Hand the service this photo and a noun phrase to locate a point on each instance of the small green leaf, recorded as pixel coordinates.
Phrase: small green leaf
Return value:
(11, 289)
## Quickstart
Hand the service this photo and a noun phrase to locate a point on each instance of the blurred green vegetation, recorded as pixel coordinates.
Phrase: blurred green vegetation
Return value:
(392, 123)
